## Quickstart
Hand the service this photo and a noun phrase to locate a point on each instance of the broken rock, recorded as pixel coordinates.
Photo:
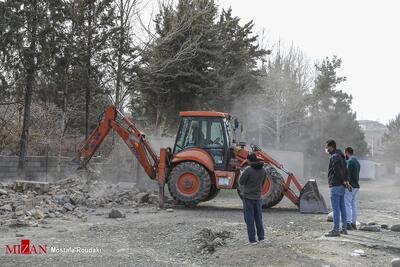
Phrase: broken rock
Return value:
(143, 197)
(358, 252)
(62, 199)
(114, 213)
(6, 207)
(38, 214)
(371, 228)
(385, 226)
(3, 192)
(153, 198)
(396, 262)
(69, 207)
(395, 228)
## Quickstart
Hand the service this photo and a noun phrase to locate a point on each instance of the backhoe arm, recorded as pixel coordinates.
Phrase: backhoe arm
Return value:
(133, 138)
(309, 199)
(291, 178)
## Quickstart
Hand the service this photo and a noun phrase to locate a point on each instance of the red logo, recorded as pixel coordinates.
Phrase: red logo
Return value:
(26, 248)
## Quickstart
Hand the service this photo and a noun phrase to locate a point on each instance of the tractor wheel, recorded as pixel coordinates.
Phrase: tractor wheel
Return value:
(272, 190)
(213, 193)
(189, 183)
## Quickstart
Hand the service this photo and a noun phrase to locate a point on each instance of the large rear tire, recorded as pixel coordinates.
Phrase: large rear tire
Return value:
(189, 183)
(213, 193)
(272, 190)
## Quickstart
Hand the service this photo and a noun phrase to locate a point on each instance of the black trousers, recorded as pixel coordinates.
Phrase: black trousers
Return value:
(253, 218)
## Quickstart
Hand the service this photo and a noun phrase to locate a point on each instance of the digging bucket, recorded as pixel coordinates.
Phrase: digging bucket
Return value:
(310, 200)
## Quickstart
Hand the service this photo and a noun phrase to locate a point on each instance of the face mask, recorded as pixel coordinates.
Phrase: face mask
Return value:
(326, 151)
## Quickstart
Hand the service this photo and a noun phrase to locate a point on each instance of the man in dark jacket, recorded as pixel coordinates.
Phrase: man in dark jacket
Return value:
(350, 197)
(338, 181)
(251, 182)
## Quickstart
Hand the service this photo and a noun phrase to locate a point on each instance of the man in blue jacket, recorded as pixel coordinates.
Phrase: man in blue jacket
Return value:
(350, 196)
(338, 181)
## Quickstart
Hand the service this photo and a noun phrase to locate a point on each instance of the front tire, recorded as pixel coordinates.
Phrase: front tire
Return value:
(189, 183)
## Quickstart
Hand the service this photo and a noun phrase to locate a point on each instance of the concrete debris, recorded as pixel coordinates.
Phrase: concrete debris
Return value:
(169, 210)
(143, 197)
(358, 253)
(371, 228)
(395, 228)
(3, 192)
(114, 213)
(27, 203)
(6, 207)
(385, 226)
(38, 214)
(396, 262)
(68, 207)
(207, 240)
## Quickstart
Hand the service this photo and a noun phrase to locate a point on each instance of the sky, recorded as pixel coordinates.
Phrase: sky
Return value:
(365, 34)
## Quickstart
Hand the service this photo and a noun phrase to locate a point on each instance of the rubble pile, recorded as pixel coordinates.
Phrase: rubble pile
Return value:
(26, 203)
(207, 240)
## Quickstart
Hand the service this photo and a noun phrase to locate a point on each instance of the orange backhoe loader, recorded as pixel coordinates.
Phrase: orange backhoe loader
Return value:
(205, 158)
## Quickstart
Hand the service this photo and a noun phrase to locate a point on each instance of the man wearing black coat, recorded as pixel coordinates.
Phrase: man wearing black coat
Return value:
(338, 181)
(251, 182)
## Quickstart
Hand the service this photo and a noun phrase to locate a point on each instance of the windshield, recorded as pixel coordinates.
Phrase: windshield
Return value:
(201, 132)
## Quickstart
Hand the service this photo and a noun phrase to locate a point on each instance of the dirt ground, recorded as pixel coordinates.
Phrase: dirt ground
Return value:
(160, 238)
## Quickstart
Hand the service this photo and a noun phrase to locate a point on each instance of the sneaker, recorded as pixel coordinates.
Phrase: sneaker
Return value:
(251, 243)
(344, 232)
(332, 233)
(354, 226)
(349, 227)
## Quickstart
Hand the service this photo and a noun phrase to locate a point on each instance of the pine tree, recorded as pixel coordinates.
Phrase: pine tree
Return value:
(391, 141)
(25, 41)
(196, 62)
(331, 115)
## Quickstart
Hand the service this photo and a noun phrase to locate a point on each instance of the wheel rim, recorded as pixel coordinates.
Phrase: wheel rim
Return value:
(266, 187)
(188, 184)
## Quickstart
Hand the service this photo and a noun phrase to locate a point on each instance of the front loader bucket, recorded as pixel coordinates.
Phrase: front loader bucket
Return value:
(310, 200)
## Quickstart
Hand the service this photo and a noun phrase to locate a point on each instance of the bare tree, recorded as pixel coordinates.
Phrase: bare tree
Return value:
(282, 102)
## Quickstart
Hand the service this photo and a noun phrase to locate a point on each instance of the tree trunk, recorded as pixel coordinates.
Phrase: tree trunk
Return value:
(63, 121)
(23, 143)
(30, 67)
(119, 56)
(88, 71)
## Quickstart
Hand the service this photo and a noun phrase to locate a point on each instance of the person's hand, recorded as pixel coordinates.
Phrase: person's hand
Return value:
(348, 186)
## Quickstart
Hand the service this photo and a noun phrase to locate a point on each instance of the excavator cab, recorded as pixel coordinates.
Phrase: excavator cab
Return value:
(205, 130)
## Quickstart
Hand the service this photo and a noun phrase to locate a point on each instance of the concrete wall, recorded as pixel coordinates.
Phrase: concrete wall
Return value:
(38, 167)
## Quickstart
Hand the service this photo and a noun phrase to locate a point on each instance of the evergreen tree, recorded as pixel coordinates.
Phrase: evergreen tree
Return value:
(25, 41)
(331, 115)
(391, 141)
(195, 62)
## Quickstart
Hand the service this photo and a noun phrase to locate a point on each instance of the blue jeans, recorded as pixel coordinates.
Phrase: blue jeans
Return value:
(338, 207)
(253, 216)
(350, 199)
